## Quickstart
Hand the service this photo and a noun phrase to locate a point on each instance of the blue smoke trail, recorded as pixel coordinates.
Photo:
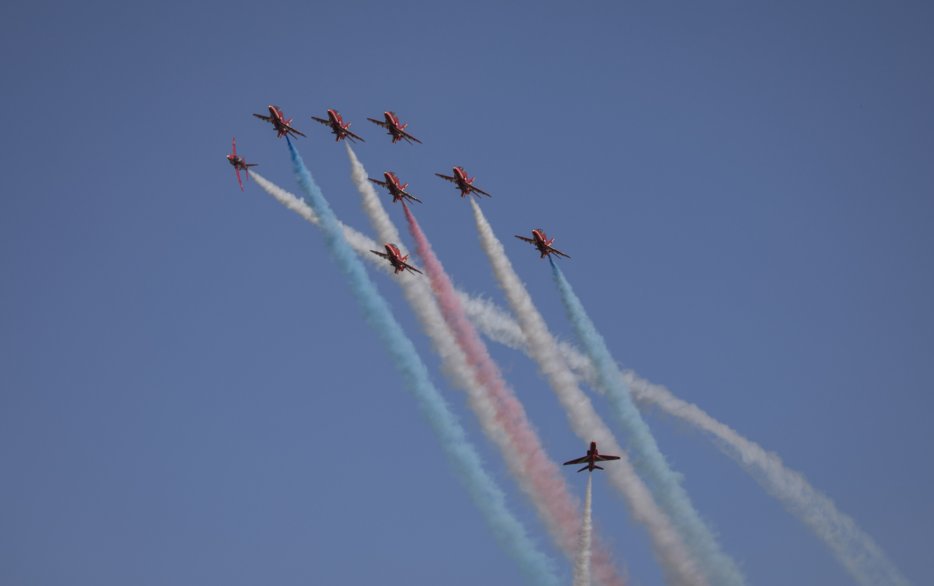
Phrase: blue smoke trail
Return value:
(647, 457)
(482, 488)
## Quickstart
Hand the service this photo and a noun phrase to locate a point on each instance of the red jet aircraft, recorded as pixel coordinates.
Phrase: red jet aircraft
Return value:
(338, 127)
(542, 243)
(396, 129)
(397, 191)
(277, 119)
(463, 182)
(239, 164)
(591, 459)
(396, 258)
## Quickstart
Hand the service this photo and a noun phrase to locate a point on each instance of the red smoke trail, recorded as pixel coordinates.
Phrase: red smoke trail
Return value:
(539, 475)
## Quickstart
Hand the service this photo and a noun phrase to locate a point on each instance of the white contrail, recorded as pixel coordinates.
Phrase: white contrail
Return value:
(650, 462)
(500, 414)
(855, 550)
(582, 567)
(677, 563)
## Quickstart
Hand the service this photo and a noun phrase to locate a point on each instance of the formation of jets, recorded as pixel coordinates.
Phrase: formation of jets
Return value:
(397, 189)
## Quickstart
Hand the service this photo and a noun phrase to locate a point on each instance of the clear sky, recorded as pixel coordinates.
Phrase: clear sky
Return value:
(189, 395)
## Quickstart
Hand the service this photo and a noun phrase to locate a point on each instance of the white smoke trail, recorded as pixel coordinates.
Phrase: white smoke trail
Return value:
(855, 550)
(582, 567)
(678, 565)
(507, 427)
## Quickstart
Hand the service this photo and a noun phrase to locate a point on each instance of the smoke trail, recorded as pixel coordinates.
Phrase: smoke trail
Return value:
(676, 562)
(650, 462)
(483, 489)
(468, 364)
(855, 550)
(536, 472)
(582, 568)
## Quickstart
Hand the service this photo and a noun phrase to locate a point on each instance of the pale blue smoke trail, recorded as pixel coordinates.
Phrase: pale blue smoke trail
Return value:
(647, 457)
(491, 501)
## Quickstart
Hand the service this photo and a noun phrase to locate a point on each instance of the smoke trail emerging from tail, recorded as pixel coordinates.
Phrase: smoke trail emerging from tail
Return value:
(537, 474)
(483, 490)
(677, 563)
(855, 550)
(650, 462)
(582, 568)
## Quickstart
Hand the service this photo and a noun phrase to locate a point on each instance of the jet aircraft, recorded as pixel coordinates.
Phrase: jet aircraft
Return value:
(463, 182)
(396, 258)
(397, 191)
(277, 119)
(591, 459)
(337, 125)
(396, 129)
(239, 164)
(542, 243)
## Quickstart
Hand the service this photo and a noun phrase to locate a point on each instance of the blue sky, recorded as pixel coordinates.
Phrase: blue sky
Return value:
(189, 395)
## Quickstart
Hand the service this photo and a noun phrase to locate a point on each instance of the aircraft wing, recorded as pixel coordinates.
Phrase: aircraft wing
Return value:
(558, 252)
(603, 458)
(447, 178)
(480, 191)
(410, 196)
(266, 118)
(577, 461)
(238, 178)
(378, 253)
(321, 120)
(353, 136)
(290, 129)
(378, 182)
(409, 137)
(380, 122)
(531, 240)
(411, 268)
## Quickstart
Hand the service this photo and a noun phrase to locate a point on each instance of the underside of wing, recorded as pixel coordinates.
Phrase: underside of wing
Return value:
(411, 268)
(321, 120)
(290, 129)
(410, 137)
(412, 197)
(375, 121)
(378, 253)
(446, 177)
(577, 461)
(351, 135)
(261, 117)
(558, 252)
(524, 238)
(480, 191)
(378, 182)
(603, 458)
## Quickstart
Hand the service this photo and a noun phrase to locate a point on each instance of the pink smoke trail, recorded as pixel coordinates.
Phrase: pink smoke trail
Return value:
(538, 474)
